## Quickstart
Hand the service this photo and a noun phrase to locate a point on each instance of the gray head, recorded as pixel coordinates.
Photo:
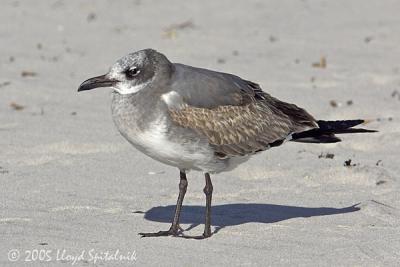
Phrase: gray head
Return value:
(133, 72)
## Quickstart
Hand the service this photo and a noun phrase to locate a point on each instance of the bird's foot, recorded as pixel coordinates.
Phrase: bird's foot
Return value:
(206, 234)
(177, 232)
(199, 237)
(173, 231)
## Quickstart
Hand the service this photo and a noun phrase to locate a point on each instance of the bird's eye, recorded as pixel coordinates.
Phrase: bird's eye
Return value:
(132, 72)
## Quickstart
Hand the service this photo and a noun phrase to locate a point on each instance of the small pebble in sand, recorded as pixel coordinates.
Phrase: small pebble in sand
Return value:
(326, 155)
(27, 73)
(349, 102)
(221, 61)
(396, 94)
(333, 103)
(91, 17)
(16, 106)
(321, 64)
(3, 84)
(380, 182)
(368, 39)
(348, 163)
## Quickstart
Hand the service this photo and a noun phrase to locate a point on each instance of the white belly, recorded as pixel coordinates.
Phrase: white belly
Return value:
(185, 153)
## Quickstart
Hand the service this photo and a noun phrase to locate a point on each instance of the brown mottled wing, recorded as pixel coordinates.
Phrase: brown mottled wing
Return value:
(248, 128)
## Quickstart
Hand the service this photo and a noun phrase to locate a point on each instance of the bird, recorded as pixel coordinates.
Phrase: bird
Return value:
(197, 119)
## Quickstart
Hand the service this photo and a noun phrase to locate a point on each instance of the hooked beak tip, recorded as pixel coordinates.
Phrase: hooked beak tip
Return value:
(96, 82)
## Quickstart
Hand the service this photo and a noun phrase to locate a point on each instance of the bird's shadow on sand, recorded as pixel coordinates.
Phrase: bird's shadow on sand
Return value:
(235, 214)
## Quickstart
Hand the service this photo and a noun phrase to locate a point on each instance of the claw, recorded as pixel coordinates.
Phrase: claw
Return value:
(173, 231)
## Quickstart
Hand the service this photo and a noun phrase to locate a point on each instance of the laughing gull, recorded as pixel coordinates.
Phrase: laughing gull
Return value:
(203, 120)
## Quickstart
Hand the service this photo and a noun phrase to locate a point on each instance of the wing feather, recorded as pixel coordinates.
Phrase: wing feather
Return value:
(239, 130)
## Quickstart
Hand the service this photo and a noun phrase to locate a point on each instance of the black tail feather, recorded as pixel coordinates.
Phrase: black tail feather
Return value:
(338, 125)
(327, 130)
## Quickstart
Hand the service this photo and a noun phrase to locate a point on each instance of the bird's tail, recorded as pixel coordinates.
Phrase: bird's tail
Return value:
(327, 130)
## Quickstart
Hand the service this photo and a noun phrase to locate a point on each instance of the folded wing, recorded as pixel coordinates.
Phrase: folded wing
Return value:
(235, 115)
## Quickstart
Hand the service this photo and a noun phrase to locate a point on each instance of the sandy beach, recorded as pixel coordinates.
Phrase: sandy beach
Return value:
(73, 188)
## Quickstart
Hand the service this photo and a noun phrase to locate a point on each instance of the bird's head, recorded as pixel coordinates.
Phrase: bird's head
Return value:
(132, 73)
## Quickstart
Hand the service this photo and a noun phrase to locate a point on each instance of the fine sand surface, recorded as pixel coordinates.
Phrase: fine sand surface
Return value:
(70, 182)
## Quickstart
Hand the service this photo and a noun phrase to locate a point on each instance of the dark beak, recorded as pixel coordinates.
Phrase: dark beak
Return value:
(99, 81)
